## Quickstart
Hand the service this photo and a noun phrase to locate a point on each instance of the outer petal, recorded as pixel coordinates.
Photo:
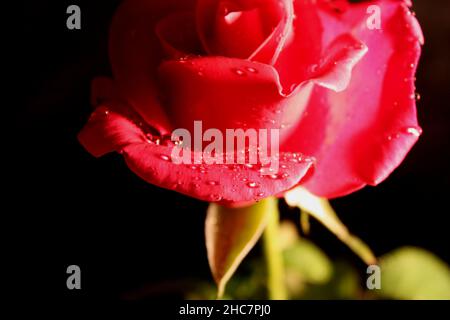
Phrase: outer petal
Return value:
(109, 130)
(313, 53)
(135, 53)
(229, 185)
(361, 135)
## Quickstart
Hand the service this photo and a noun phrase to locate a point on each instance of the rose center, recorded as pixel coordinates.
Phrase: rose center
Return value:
(236, 28)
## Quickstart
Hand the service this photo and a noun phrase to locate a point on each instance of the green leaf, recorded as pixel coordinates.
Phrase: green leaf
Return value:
(230, 234)
(344, 284)
(305, 258)
(414, 274)
(320, 209)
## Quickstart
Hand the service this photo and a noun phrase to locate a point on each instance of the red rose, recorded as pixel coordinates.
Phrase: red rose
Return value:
(340, 92)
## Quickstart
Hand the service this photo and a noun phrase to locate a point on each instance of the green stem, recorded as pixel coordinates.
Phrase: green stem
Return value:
(274, 258)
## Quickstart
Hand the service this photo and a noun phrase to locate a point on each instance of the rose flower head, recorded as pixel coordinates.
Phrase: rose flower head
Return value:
(330, 83)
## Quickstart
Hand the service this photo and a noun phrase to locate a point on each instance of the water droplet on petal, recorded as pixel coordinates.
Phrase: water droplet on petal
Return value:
(253, 185)
(212, 183)
(251, 70)
(216, 197)
(164, 157)
(238, 72)
(415, 131)
(266, 171)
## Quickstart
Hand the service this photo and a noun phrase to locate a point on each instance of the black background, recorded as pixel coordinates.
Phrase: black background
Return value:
(126, 234)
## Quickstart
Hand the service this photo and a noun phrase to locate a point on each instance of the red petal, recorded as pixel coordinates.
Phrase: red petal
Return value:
(270, 50)
(343, 54)
(315, 53)
(361, 135)
(301, 56)
(135, 53)
(228, 93)
(108, 130)
(228, 185)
